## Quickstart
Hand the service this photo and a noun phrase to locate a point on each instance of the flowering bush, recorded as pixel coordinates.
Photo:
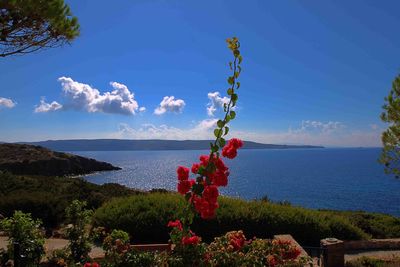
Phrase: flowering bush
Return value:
(233, 249)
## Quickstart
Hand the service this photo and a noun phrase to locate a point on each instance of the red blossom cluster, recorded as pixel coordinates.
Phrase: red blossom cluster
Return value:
(237, 240)
(90, 264)
(212, 173)
(230, 150)
(286, 249)
(190, 239)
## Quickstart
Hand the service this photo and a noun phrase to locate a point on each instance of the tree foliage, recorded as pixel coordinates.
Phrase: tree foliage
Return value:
(390, 156)
(29, 25)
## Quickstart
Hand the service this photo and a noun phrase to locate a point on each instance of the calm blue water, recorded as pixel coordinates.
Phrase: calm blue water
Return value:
(343, 179)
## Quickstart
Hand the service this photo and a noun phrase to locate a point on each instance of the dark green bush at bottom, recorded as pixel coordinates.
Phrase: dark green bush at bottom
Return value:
(145, 217)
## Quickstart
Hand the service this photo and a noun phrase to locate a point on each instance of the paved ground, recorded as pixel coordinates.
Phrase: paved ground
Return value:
(55, 243)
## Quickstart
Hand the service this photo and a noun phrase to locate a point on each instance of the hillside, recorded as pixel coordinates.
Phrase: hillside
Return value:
(37, 160)
(124, 145)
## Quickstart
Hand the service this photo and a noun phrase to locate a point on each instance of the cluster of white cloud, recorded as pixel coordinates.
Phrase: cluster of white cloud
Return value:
(6, 103)
(47, 107)
(202, 130)
(170, 104)
(216, 102)
(80, 96)
(308, 125)
(309, 133)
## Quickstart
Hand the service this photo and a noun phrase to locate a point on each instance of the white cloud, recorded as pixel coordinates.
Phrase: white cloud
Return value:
(6, 103)
(317, 126)
(216, 102)
(80, 96)
(47, 107)
(200, 131)
(308, 133)
(170, 104)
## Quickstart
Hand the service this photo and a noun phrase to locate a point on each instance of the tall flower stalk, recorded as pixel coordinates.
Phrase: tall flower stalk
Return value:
(211, 172)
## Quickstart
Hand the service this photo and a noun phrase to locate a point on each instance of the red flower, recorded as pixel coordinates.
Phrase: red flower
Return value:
(192, 240)
(183, 173)
(175, 224)
(236, 143)
(211, 193)
(230, 150)
(220, 178)
(195, 168)
(89, 264)
(184, 186)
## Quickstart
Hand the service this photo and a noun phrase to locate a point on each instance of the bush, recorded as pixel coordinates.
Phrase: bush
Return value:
(79, 218)
(46, 198)
(21, 229)
(145, 217)
(376, 224)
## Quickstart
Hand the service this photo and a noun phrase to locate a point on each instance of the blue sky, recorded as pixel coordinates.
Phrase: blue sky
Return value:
(314, 72)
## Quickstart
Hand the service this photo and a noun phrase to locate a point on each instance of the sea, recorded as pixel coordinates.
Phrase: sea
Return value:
(329, 178)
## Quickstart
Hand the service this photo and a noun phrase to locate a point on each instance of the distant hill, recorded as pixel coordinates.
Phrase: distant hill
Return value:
(124, 145)
(37, 160)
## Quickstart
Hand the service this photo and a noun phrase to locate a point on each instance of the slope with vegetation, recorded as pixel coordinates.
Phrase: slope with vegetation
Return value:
(36, 160)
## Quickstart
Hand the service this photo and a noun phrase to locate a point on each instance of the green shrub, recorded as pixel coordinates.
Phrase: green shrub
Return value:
(46, 198)
(21, 229)
(145, 218)
(376, 224)
(77, 234)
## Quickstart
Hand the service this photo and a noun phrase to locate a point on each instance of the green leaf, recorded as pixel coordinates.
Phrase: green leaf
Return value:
(232, 114)
(231, 80)
(226, 130)
(218, 133)
(236, 74)
(187, 196)
(214, 148)
(198, 188)
(228, 118)
(237, 85)
(234, 97)
(222, 142)
(230, 65)
(230, 91)
(240, 59)
(220, 123)
(201, 170)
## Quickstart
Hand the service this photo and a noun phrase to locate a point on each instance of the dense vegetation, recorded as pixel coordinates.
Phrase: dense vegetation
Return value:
(47, 197)
(145, 217)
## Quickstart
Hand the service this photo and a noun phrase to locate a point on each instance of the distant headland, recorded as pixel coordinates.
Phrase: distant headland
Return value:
(36, 160)
(127, 145)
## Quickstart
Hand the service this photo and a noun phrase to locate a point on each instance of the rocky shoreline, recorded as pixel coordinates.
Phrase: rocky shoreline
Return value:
(24, 159)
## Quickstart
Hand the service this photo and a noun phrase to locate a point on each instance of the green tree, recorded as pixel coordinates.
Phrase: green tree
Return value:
(79, 239)
(29, 25)
(390, 156)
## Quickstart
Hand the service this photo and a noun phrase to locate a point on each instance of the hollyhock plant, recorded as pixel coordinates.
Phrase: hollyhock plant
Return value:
(210, 173)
